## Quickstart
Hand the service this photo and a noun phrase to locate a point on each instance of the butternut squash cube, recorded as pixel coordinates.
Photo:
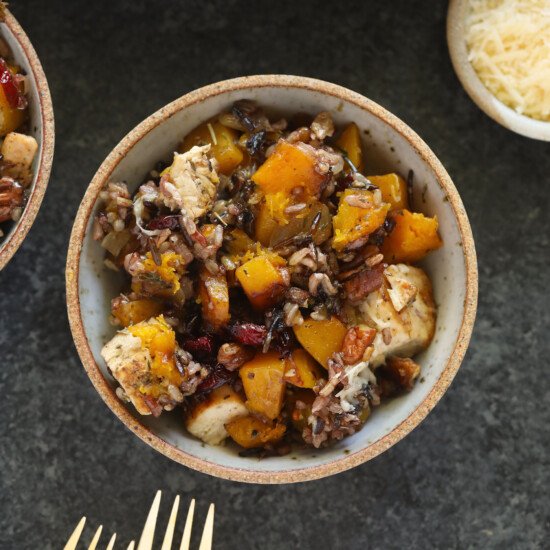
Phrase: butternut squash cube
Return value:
(166, 276)
(10, 118)
(302, 370)
(265, 224)
(131, 313)
(264, 385)
(224, 144)
(413, 236)
(394, 190)
(353, 222)
(321, 338)
(350, 142)
(261, 281)
(288, 167)
(214, 296)
(250, 432)
(207, 419)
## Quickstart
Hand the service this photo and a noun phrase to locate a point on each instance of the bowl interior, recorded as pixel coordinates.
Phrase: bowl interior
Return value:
(37, 93)
(484, 99)
(386, 150)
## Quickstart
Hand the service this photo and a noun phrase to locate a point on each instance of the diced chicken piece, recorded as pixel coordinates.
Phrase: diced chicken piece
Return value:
(19, 150)
(403, 333)
(207, 420)
(192, 182)
(149, 380)
(401, 291)
(129, 365)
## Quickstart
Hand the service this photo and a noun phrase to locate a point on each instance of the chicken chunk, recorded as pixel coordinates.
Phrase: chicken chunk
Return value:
(18, 151)
(191, 182)
(405, 332)
(129, 365)
(141, 359)
(208, 418)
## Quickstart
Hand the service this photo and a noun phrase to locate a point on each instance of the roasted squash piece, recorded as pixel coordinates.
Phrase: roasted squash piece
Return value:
(394, 190)
(251, 432)
(265, 224)
(131, 313)
(214, 296)
(264, 385)
(224, 144)
(207, 419)
(321, 338)
(10, 117)
(158, 337)
(289, 166)
(302, 370)
(357, 217)
(413, 236)
(350, 142)
(262, 281)
(165, 276)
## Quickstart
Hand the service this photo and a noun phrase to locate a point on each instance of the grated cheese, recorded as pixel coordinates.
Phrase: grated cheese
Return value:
(509, 48)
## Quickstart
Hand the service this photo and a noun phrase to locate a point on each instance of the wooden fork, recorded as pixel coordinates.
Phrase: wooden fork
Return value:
(148, 534)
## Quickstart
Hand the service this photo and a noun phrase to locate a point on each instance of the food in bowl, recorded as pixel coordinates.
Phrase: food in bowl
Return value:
(17, 148)
(509, 47)
(271, 291)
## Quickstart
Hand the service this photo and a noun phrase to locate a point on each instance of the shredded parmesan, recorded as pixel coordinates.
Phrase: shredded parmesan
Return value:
(509, 48)
(358, 376)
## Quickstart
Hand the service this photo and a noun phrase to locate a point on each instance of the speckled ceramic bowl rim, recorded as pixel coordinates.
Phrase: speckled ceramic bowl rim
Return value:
(10, 244)
(248, 474)
(480, 95)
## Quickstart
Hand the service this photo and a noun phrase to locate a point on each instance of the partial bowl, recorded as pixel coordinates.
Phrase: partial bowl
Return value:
(390, 145)
(480, 95)
(41, 128)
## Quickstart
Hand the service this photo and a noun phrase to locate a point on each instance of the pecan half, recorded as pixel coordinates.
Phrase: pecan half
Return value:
(233, 356)
(356, 341)
(364, 283)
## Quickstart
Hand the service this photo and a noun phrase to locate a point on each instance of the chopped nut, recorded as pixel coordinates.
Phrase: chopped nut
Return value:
(356, 341)
(233, 356)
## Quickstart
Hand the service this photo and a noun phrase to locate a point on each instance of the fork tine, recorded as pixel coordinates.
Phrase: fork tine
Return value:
(186, 537)
(111, 542)
(207, 533)
(131, 546)
(167, 542)
(95, 540)
(146, 540)
(75, 536)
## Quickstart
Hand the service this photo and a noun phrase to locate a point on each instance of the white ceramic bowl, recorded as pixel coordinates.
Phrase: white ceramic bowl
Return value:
(389, 145)
(41, 128)
(484, 99)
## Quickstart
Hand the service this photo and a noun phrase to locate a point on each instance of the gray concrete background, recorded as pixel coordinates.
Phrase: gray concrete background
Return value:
(475, 474)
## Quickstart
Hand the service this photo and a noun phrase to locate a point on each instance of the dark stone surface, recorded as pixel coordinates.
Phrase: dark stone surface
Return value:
(475, 474)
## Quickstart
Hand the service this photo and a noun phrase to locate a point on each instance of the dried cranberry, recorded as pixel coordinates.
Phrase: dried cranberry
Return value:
(218, 376)
(248, 334)
(200, 348)
(164, 222)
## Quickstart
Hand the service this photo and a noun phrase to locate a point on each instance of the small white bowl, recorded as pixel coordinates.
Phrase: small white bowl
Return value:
(484, 99)
(390, 145)
(41, 126)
